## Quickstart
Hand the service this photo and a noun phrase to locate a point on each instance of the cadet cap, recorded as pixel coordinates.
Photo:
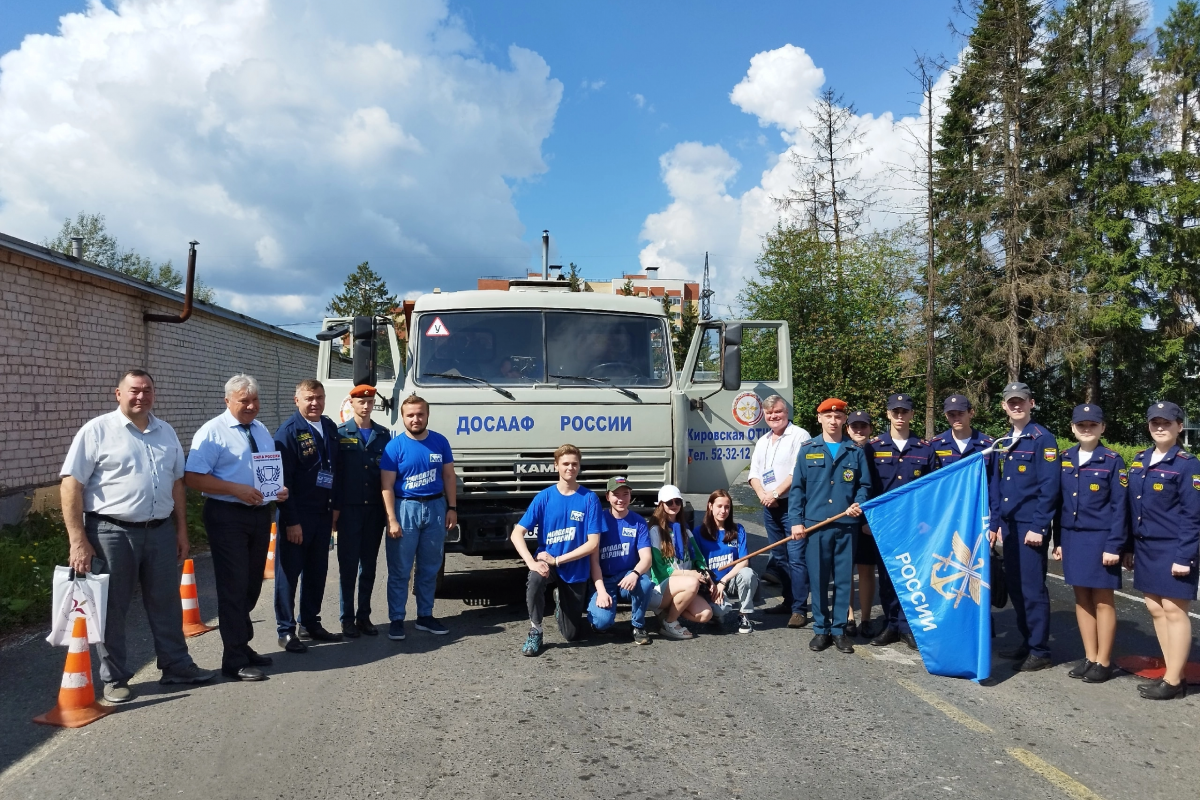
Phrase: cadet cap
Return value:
(832, 404)
(668, 493)
(617, 482)
(858, 416)
(363, 390)
(1164, 410)
(899, 401)
(1087, 413)
(956, 402)
(1017, 389)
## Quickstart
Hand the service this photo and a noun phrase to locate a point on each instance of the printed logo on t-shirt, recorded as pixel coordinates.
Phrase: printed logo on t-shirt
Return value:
(420, 479)
(435, 458)
(562, 534)
(576, 516)
(619, 550)
(718, 562)
(629, 533)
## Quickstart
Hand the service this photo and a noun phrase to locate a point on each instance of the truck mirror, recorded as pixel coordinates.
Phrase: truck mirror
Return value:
(363, 351)
(731, 371)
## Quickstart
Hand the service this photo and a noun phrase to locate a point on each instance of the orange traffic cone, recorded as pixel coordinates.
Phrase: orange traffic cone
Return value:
(193, 624)
(77, 704)
(269, 569)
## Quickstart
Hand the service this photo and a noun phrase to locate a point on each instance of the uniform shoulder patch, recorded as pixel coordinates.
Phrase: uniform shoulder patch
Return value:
(1196, 482)
(1050, 453)
(1123, 477)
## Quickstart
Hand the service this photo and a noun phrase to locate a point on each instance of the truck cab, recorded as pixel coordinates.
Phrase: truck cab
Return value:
(511, 375)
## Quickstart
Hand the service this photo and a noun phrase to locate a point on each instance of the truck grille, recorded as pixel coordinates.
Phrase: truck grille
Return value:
(496, 477)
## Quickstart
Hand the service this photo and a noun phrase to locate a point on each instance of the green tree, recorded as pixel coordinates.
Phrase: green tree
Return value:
(364, 294)
(850, 334)
(689, 320)
(101, 247)
(574, 281)
(627, 287)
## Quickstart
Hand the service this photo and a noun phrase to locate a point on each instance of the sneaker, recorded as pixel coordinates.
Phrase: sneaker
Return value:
(431, 625)
(117, 692)
(640, 636)
(673, 630)
(744, 625)
(396, 630)
(189, 674)
(533, 644)
(797, 620)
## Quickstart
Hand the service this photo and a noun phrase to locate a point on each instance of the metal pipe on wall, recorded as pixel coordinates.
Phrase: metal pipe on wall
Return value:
(187, 297)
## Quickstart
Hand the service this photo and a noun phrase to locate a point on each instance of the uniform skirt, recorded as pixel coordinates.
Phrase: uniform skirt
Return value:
(865, 549)
(1082, 562)
(1152, 559)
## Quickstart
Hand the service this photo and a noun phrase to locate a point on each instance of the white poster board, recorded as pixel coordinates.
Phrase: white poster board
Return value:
(268, 474)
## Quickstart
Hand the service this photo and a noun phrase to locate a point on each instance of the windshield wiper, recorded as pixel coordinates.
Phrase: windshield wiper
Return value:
(471, 378)
(602, 382)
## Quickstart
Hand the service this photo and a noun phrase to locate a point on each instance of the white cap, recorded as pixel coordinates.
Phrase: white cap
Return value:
(668, 493)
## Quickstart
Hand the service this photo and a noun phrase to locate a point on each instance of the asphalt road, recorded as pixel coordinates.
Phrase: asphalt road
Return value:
(723, 716)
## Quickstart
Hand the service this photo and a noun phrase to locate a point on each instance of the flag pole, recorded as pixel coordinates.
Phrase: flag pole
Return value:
(786, 539)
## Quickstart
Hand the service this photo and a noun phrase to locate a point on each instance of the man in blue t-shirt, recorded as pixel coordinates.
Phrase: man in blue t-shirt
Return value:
(621, 564)
(417, 475)
(565, 518)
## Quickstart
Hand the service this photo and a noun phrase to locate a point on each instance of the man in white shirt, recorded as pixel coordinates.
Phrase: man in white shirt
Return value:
(123, 505)
(771, 466)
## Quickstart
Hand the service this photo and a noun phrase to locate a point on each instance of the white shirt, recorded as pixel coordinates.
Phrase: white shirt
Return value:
(900, 443)
(126, 473)
(774, 457)
(316, 426)
(221, 448)
(962, 443)
(1084, 456)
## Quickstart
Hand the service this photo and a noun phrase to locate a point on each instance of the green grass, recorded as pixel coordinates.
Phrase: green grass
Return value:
(29, 552)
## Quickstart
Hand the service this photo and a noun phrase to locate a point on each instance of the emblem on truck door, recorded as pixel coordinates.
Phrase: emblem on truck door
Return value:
(534, 468)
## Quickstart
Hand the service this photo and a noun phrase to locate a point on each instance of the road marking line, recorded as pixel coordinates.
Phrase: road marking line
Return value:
(1061, 780)
(961, 717)
(1119, 593)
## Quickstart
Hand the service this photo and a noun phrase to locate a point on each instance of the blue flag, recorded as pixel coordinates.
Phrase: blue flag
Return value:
(933, 537)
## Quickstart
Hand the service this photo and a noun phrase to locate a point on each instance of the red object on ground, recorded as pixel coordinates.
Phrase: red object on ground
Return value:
(1154, 668)
(77, 704)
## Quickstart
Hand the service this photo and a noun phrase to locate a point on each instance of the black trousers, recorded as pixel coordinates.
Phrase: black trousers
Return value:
(572, 601)
(239, 537)
(360, 532)
(305, 565)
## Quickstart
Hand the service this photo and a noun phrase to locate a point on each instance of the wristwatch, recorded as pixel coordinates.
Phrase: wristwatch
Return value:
(774, 495)
(452, 508)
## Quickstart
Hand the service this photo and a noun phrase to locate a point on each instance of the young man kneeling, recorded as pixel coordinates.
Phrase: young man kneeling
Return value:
(621, 563)
(567, 519)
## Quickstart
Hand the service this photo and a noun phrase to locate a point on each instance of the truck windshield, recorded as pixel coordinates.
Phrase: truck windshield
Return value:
(513, 348)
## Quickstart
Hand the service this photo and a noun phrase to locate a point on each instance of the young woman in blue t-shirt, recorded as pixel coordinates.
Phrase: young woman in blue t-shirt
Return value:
(723, 541)
(671, 569)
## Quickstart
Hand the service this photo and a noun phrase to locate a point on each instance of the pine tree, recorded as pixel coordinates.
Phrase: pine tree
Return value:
(689, 320)
(627, 287)
(365, 294)
(574, 281)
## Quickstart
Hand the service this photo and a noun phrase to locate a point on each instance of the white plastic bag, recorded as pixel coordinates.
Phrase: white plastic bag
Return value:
(75, 596)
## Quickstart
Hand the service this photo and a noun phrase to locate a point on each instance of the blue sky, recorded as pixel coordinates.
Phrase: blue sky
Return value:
(638, 80)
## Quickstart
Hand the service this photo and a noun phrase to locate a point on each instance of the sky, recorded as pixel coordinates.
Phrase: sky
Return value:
(436, 139)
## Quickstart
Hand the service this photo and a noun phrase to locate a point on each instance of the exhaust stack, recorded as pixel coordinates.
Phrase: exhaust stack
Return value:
(545, 255)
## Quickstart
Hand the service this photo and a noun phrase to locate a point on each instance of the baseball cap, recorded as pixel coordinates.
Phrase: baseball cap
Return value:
(1165, 410)
(832, 404)
(616, 482)
(956, 402)
(668, 493)
(858, 416)
(899, 401)
(1017, 389)
(1087, 413)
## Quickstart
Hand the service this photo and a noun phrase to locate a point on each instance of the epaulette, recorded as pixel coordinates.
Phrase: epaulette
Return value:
(1185, 454)
(983, 437)
(810, 441)
(876, 440)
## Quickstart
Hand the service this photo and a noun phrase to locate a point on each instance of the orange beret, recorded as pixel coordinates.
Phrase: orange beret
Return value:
(363, 390)
(832, 404)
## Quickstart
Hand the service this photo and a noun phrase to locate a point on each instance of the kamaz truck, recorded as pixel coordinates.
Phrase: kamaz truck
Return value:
(511, 375)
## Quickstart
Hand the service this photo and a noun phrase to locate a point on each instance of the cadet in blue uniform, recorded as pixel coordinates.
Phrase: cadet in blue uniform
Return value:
(1092, 529)
(1025, 499)
(358, 513)
(866, 554)
(896, 458)
(961, 440)
(831, 476)
(306, 441)
(1164, 509)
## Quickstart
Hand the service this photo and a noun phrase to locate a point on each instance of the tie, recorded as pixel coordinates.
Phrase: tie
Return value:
(250, 436)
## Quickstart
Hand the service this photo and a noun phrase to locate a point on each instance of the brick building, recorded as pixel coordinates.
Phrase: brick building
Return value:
(70, 328)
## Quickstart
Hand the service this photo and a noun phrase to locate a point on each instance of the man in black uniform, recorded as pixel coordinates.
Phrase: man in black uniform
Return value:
(358, 514)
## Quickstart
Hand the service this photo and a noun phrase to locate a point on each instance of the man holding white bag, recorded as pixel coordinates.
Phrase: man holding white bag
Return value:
(123, 505)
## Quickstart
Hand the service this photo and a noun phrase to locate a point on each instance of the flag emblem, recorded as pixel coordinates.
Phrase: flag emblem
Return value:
(1196, 482)
(960, 574)
(1123, 476)
(1050, 453)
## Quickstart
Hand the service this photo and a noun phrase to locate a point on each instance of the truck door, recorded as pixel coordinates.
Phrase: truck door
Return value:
(732, 366)
(335, 369)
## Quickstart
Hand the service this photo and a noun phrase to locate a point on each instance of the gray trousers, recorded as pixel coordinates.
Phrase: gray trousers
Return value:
(145, 556)
(740, 593)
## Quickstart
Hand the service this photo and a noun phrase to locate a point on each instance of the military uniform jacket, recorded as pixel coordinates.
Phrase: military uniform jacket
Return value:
(824, 485)
(945, 451)
(892, 467)
(1027, 490)
(1095, 496)
(1164, 501)
(356, 480)
(305, 455)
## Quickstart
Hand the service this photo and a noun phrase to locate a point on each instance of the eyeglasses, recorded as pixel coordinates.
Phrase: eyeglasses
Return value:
(674, 502)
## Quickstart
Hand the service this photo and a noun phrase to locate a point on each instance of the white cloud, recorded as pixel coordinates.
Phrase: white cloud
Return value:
(779, 89)
(301, 137)
(593, 86)
(640, 100)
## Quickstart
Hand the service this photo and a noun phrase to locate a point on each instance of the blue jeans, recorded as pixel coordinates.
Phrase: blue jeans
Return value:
(603, 618)
(423, 527)
(305, 565)
(786, 561)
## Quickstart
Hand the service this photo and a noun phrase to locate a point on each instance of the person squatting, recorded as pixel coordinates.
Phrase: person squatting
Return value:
(1085, 507)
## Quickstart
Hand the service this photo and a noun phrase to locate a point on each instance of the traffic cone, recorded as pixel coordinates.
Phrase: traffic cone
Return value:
(77, 704)
(193, 624)
(269, 569)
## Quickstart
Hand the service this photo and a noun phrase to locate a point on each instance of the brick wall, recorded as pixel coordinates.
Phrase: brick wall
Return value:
(69, 330)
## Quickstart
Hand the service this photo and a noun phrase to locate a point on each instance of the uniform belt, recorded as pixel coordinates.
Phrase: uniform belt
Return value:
(428, 499)
(150, 523)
